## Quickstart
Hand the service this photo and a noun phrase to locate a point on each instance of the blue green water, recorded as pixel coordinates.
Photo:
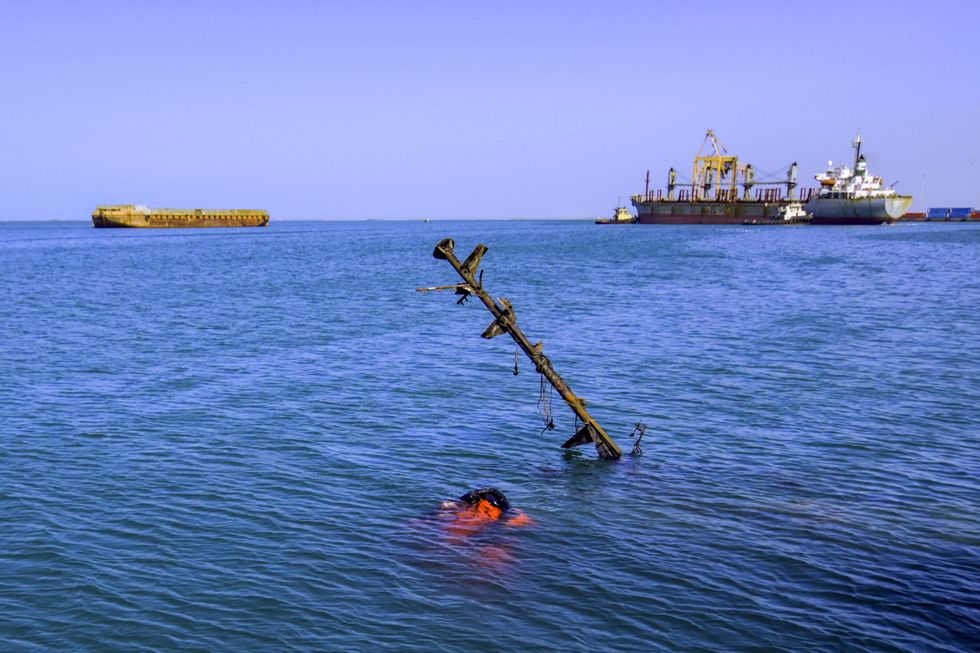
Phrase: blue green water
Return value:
(236, 439)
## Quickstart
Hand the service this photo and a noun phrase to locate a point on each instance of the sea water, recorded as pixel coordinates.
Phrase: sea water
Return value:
(237, 439)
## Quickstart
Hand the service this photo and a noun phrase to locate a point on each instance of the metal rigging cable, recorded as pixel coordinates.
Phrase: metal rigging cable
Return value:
(545, 403)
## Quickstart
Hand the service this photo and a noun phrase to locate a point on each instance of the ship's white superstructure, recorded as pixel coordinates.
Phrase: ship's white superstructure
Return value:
(851, 195)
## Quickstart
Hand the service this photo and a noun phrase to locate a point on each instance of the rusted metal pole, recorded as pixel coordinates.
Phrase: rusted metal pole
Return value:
(505, 321)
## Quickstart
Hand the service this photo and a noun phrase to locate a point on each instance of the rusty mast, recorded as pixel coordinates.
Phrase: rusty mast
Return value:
(505, 321)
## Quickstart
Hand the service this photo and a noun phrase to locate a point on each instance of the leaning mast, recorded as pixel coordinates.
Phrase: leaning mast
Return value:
(505, 321)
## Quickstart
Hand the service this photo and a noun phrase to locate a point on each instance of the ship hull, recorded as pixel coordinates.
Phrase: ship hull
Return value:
(857, 211)
(173, 219)
(742, 212)
(107, 223)
(604, 221)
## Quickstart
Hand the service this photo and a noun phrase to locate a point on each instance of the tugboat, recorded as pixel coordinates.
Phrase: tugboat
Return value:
(622, 216)
(791, 213)
(853, 196)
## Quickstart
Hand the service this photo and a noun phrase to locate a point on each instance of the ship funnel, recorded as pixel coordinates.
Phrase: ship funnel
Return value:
(861, 167)
(791, 181)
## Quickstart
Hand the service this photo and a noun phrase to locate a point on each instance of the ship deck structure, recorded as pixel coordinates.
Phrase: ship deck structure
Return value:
(853, 196)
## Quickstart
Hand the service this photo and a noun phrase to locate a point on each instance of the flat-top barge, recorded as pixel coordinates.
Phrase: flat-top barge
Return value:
(139, 216)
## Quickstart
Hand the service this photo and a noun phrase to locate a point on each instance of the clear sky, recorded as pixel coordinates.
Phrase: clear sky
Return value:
(469, 109)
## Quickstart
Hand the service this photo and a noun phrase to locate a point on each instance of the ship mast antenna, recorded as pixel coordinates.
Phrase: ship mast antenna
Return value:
(505, 321)
(857, 146)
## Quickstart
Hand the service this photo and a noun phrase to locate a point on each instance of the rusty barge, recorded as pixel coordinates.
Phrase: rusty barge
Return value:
(139, 216)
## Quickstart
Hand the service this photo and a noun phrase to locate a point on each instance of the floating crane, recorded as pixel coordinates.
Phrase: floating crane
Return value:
(505, 321)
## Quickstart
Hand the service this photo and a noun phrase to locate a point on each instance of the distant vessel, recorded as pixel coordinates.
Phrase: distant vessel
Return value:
(854, 196)
(722, 191)
(789, 213)
(621, 216)
(137, 215)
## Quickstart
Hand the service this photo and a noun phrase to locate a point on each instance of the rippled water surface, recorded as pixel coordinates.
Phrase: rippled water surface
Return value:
(236, 439)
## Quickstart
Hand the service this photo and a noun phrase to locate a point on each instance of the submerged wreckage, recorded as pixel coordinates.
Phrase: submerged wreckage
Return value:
(505, 321)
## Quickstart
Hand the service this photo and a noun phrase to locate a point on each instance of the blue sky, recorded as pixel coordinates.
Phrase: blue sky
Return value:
(406, 110)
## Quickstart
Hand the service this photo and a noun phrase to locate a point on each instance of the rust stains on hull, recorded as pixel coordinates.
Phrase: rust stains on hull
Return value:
(135, 216)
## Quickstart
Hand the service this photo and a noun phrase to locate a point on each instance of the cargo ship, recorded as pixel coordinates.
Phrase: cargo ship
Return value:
(853, 196)
(722, 191)
(139, 216)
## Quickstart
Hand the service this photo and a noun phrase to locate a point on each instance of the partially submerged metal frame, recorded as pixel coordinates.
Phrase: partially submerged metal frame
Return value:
(505, 321)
